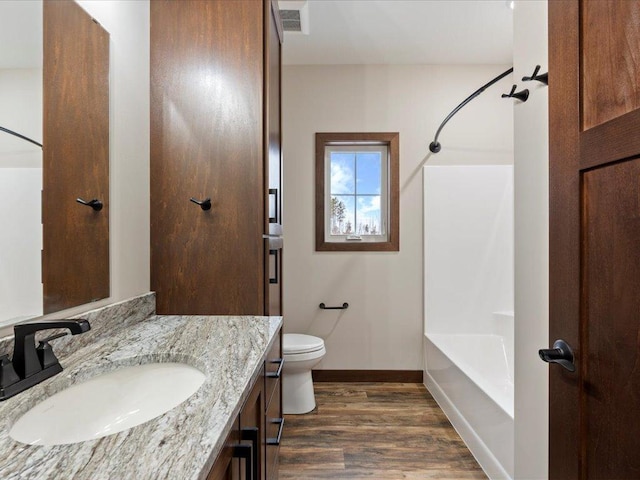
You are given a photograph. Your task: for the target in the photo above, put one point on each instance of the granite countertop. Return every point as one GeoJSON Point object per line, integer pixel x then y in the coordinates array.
{"type": "Point", "coordinates": [180, 444]}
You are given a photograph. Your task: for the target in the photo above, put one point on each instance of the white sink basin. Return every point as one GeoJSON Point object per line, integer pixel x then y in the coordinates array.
{"type": "Point", "coordinates": [108, 404]}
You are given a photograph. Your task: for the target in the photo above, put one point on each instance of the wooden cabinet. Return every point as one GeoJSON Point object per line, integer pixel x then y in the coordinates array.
{"type": "Point", "coordinates": [215, 139]}
{"type": "Point", "coordinates": [273, 60]}
{"type": "Point", "coordinates": [226, 467]}
{"type": "Point", "coordinates": [254, 440]}
{"type": "Point", "coordinates": [274, 422]}
{"type": "Point", "coordinates": [252, 431]}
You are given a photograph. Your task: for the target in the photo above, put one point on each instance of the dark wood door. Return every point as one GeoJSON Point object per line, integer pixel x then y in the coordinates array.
{"type": "Point", "coordinates": [594, 103]}
{"type": "Point", "coordinates": [75, 257]}
{"type": "Point", "coordinates": [207, 142]}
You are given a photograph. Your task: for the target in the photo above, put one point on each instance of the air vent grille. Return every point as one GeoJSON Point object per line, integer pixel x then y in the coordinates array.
{"type": "Point", "coordinates": [291, 20]}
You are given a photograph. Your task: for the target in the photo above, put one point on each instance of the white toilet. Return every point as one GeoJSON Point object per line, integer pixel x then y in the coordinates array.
{"type": "Point", "coordinates": [301, 353]}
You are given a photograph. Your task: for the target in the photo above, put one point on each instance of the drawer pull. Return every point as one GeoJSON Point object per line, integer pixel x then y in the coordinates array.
{"type": "Point", "coordinates": [276, 441]}
{"type": "Point", "coordinates": [278, 372]}
{"type": "Point", "coordinates": [244, 452]}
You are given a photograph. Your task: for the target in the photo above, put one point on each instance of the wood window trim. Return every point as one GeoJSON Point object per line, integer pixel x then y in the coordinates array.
{"type": "Point", "coordinates": [392, 140]}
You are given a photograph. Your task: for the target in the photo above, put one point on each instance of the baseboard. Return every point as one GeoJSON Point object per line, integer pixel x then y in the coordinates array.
{"type": "Point", "coordinates": [360, 376]}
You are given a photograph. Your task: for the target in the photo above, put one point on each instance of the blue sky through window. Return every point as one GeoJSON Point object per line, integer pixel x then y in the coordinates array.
{"type": "Point", "coordinates": [356, 186]}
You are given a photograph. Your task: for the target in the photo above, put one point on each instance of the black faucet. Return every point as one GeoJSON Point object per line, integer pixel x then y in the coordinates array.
{"type": "Point", "coordinates": [32, 365]}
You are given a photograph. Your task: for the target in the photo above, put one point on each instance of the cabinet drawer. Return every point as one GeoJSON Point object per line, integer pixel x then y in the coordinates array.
{"type": "Point", "coordinates": [275, 424]}
{"type": "Point", "coordinates": [273, 370]}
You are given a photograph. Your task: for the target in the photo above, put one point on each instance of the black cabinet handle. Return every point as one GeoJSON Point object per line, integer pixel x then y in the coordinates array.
{"type": "Point", "coordinates": [276, 441]}
{"type": "Point", "coordinates": [251, 433]}
{"type": "Point", "coordinates": [204, 204]}
{"type": "Point", "coordinates": [274, 219]}
{"type": "Point", "coordinates": [275, 279]}
{"type": "Point", "coordinates": [278, 372]}
{"type": "Point", "coordinates": [94, 203]}
{"type": "Point", "coordinates": [244, 452]}
{"type": "Point", "coordinates": [561, 354]}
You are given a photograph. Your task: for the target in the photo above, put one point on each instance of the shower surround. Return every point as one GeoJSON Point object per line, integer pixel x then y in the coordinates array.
{"type": "Point", "coordinates": [468, 344]}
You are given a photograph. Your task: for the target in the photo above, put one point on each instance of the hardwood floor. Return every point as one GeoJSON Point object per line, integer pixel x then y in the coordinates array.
{"type": "Point", "coordinates": [381, 431]}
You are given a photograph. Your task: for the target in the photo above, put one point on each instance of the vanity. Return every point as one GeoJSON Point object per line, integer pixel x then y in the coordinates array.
{"type": "Point", "coordinates": [229, 428]}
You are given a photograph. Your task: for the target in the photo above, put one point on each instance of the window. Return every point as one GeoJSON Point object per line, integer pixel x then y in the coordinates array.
{"type": "Point", "coordinates": [357, 192]}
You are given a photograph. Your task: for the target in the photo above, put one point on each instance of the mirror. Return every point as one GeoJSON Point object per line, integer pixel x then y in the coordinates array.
{"type": "Point", "coordinates": [20, 161]}
{"type": "Point", "coordinates": [54, 249]}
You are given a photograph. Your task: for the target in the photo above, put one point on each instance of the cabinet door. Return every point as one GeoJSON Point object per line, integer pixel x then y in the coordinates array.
{"type": "Point", "coordinates": [226, 466]}
{"type": "Point", "coordinates": [274, 421]}
{"type": "Point", "coordinates": [207, 83]}
{"type": "Point", "coordinates": [273, 134]}
{"type": "Point", "coordinates": [252, 430]}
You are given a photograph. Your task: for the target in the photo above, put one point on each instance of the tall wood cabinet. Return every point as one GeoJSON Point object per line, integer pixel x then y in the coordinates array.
{"type": "Point", "coordinates": [216, 157]}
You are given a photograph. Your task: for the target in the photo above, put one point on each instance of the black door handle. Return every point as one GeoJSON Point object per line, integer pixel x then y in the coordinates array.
{"type": "Point", "coordinates": [204, 204]}
{"type": "Point", "coordinates": [561, 353]}
{"type": "Point", "coordinates": [95, 203]}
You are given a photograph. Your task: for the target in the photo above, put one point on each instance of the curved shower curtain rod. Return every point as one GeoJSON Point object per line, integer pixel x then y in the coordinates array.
{"type": "Point", "coordinates": [435, 146]}
{"type": "Point", "coordinates": [11, 132]}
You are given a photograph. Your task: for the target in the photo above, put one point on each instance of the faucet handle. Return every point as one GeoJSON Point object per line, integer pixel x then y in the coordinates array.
{"type": "Point", "coordinates": [45, 352]}
{"type": "Point", "coordinates": [8, 375]}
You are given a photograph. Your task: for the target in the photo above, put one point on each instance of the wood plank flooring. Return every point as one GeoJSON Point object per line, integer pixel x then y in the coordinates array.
{"type": "Point", "coordinates": [381, 431]}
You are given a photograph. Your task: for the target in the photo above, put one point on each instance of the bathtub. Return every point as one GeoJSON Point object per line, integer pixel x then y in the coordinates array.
{"type": "Point", "coordinates": [471, 378]}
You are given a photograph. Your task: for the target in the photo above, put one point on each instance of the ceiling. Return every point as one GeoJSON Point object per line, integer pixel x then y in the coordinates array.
{"type": "Point", "coordinates": [403, 32]}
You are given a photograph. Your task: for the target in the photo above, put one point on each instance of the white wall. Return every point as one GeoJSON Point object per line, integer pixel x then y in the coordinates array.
{"type": "Point", "coordinates": [20, 199]}
{"type": "Point", "coordinates": [468, 247]}
{"type": "Point", "coordinates": [382, 329]}
{"type": "Point", "coordinates": [128, 25]}
{"type": "Point", "coordinates": [531, 171]}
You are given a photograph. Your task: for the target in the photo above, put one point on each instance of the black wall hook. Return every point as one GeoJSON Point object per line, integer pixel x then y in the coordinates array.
{"type": "Point", "coordinates": [344, 306]}
{"type": "Point", "coordinates": [522, 95]}
{"type": "Point", "coordinates": [543, 77]}
{"type": "Point", "coordinates": [95, 203]}
{"type": "Point", "coordinates": [204, 204]}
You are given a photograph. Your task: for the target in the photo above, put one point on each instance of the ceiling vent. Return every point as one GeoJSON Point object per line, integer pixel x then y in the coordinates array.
{"type": "Point", "coordinates": [295, 16]}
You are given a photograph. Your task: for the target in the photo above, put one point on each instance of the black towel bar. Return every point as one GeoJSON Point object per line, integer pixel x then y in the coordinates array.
{"type": "Point", "coordinates": [344, 306]}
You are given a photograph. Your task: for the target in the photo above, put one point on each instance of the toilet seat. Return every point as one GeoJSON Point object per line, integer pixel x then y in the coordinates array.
{"type": "Point", "coordinates": [297, 343]}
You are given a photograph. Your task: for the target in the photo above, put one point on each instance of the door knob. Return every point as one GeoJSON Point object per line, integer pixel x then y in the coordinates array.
{"type": "Point", "coordinates": [95, 203]}
{"type": "Point", "coordinates": [204, 204]}
{"type": "Point", "coordinates": [561, 353]}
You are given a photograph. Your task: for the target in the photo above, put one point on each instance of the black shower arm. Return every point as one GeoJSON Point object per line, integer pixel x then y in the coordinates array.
{"type": "Point", "coordinates": [11, 132]}
{"type": "Point", "coordinates": [435, 146]}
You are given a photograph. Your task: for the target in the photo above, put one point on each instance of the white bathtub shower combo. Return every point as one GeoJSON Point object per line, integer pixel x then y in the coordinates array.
{"type": "Point", "coordinates": [469, 306]}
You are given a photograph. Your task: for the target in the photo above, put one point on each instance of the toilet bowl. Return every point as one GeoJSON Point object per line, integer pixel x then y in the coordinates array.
{"type": "Point", "coordinates": [301, 353]}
